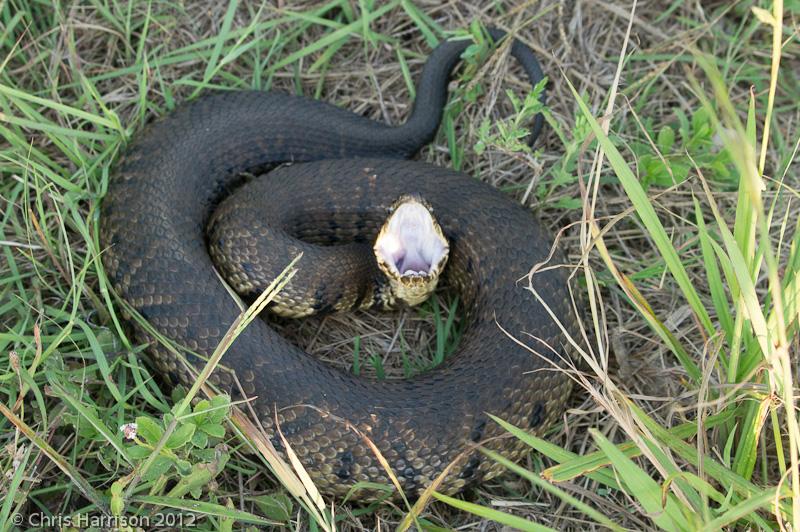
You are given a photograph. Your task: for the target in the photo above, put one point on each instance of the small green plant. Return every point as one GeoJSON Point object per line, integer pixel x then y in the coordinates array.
{"type": "Point", "coordinates": [564, 172]}
{"type": "Point", "coordinates": [512, 134]}
{"type": "Point", "coordinates": [472, 58]}
{"type": "Point", "coordinates": [377, 364]}
{"type": "Point", "coordinates": [508, 135]}
{"type": "Point", "coordinates": [691, 142]}
{"type": "Point", "coordinates": [176, 461]}
{"type": "Point", "coordinates": [191, 449]}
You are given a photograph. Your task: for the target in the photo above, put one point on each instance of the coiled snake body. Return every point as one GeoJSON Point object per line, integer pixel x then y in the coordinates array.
{"type": "Point", "coordinates": [152, 231]}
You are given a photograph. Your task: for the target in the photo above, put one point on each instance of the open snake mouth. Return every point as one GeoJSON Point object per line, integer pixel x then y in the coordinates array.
{"type": "Point", "coordinates": [411, 243]}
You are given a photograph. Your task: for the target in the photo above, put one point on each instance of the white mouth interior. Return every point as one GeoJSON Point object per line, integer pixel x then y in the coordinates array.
{"type": "Point", "coordinates": [410, 244]}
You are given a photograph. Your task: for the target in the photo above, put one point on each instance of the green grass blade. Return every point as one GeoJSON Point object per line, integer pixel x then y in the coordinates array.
{"type": "Point", "coordinates": [648, 216]}
{"type": "Point", "coordinates": [533, 478]}
{"type": "Point", "coordinates": [721, 474]}
{"type": "Point", "coordinates": [11, 490]}
{"type": "Point", "coordinates": [213, 61]}
{"type": "Point", "coordinates": [333, 37]}
{"type": "Point", "coordinates": [72, 472]}
{"type": "Point", "coordinates": [16, 94]}
{"type": "Point", "coordinates": [570, 469]}
{"type": "Point", "coordinates": [204, 508]}
{"type": "Point", "coordinates": [110, 436]}
{"type": "Point", "coordinates": [554, 452]}
{"type": "Point", "coordinates": [715, 283]}
{"type": "Point", "coordinates": [518, 523]}
{"type": "Point", "coordinates": [643, 488]}
{"type": "Point", "coordinates": [763, 501]}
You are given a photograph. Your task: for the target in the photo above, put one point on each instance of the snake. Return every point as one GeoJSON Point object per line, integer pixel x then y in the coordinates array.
{"type": "Point", "coordinates": [333, 178]}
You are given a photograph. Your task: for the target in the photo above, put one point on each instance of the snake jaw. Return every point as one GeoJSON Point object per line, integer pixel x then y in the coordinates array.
{"type": "Point", "coordinates": [411, 249]}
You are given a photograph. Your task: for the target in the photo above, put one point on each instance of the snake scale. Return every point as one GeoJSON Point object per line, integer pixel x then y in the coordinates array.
{"type": "Point", "coordinates": [347, 170]}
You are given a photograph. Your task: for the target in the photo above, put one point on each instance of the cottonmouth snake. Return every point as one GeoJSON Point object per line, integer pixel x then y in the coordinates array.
{"type": "Point", "coordinates": [160, 197]}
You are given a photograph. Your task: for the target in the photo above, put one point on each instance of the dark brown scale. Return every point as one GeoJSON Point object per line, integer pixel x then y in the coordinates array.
{"type": "Point", "coordinates": [153, 219]}
{"type": "Point", "coordinates": [270, 221]}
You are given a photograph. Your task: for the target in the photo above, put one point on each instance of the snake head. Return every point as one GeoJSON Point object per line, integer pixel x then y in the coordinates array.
{"type": "Point", "coordinates": [411, 249]}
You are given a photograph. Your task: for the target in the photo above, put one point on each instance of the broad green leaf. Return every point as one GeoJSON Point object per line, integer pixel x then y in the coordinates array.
{"type": "Point", "coordinates": [149, 429]}
{"type": "Point", "coordinates": [212, 429]}
{"type": "Point", "coordinates": [158, 467]}
{"type": "Point", "coordinates": [182, 435]}
{"type": "Point", "coordinates": [277, 506]}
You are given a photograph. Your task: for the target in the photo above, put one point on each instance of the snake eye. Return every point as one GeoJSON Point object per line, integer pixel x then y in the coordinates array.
{"type": "Point", "coordinates": [411, 249]}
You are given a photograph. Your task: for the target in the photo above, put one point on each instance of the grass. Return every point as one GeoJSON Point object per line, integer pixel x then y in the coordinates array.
{"type": "Point", "coordinates": [669, 170]}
